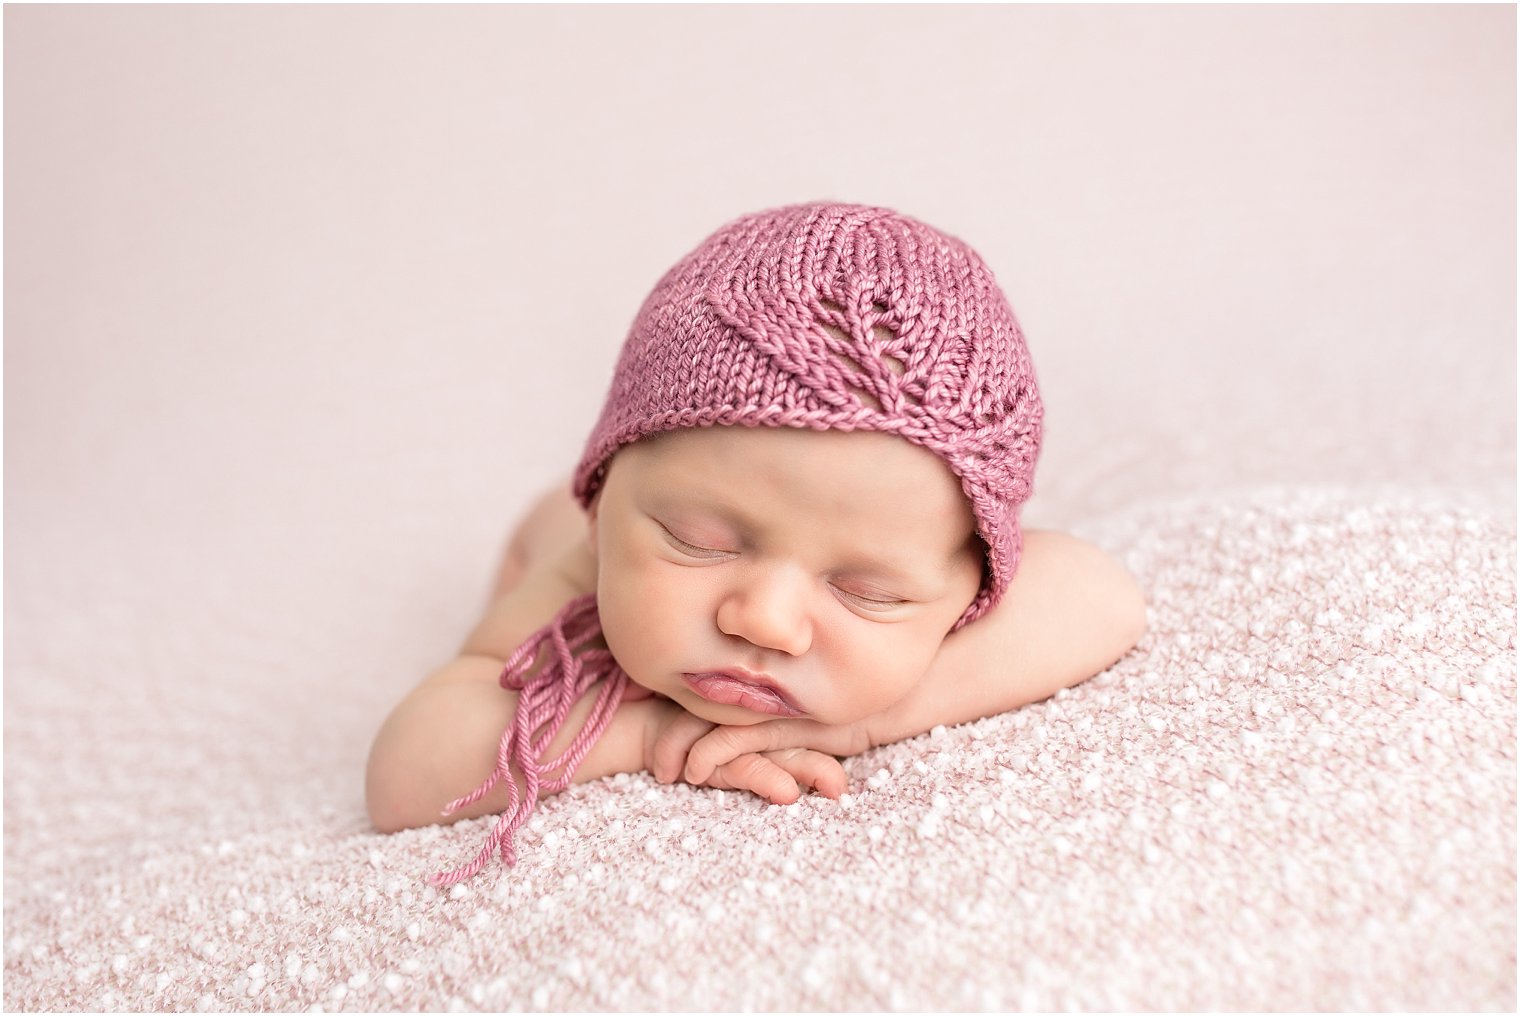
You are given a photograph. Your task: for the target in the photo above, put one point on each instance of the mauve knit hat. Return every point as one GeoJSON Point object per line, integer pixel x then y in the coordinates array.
{"type": "Point", "coordinates": [839, 317]}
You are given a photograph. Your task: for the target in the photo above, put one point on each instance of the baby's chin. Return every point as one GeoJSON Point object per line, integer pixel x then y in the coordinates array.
{"type": "Point", "coordinates": [736, 717]}
{"type": "Point", "coordinates": [633, 692]}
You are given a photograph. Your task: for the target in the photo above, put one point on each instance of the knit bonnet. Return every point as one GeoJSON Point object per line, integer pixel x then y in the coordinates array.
{"type": "Point", "coordinates": [839, 317]}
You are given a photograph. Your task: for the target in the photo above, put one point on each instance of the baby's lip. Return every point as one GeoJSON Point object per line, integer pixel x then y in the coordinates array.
{"type": "Point", "coordinates": [735, 686]}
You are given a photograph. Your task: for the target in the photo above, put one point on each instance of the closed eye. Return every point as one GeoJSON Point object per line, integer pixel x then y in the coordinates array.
{"type": "Point", "coordinates": [870, 602]}
{"type": "Point", "coordinates": [691, 549]}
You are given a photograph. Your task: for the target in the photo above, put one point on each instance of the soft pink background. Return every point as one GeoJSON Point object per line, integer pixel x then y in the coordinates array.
{"type": "Point", "coordinates": [303, 304]}
{"type": "Point", "coordinates": [319, 295]}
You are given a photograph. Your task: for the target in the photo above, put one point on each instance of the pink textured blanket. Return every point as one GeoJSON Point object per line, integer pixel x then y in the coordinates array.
{"type": "Point", "coordinates": [1297, 793]}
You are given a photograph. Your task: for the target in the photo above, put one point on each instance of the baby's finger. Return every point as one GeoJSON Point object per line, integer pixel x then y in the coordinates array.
{"type": "Point", "coordinates": [668, 754]}
{"type": "Point", "coordinates": [814, 769]}
{"type": "Point", "coordinates": [760, 775]}
{"type": "Point", "coordinates": [726, 744]}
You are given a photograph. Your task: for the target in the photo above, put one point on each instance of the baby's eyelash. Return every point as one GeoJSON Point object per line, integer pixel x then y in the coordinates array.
{"type": "Point", "coordinates": [692, 548]}
{"type": "Point", "coordinates": [872, 602]}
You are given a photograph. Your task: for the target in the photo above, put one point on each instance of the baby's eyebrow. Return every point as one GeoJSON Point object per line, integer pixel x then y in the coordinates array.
{"type": "Point", "coordinates": [674, 500]}
{"type": "Point", "coordinates": [899, 578]}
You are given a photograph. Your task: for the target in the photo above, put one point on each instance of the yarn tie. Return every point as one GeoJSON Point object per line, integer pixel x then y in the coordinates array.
{"type": "Point", "coordinates": [545, 697]}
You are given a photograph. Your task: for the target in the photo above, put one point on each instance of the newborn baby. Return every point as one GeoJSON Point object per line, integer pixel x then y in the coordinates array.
{"type": "Point", "coordinates": [794, 536]}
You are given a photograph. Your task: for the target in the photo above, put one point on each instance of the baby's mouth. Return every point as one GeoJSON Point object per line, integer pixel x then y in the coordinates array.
{"type": "Point", "coordinates": [755, 692]}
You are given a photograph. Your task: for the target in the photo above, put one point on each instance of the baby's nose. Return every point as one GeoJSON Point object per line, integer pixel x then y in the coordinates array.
{"type": "Point", "coordinates": [769, 611]}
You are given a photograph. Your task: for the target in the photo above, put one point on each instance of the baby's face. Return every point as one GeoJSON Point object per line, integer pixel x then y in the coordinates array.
{"type": "Point", "coordinates": [753, 573]}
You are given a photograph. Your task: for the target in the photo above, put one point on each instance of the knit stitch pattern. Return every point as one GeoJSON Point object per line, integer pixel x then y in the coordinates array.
{"type": "Point", "coordinates": [839, 317]}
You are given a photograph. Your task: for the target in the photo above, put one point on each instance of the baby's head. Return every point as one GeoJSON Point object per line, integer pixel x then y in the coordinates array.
{"type": "Point", "coordinates": [825, 416]}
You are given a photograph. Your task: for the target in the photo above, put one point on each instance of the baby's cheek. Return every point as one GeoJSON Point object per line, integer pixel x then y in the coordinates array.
{"type": "Point", "coordinates": [642, 620]}
{"type": "Point", "coordinates": [899, 664]}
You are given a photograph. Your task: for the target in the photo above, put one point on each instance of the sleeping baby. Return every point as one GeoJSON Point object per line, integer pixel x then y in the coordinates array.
{"type": "Point", "coordinates": [793, 536]}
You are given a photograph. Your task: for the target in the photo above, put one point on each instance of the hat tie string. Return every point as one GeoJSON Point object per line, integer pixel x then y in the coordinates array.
{"type": "Point", "coordinates": [569, 668]}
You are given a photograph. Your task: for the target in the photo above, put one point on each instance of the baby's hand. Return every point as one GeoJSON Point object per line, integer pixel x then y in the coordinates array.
{"type": "Point", "coordinates": [716, 749]}
{"type": "Point", "coordinates": [778, 774]}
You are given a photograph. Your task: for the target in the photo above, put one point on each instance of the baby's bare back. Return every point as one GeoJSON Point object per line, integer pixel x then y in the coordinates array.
{"type": "Point", "coordinates": [548, 529]}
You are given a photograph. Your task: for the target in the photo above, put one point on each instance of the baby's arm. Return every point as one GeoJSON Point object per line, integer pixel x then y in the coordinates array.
{"type": "Point", "coordinates": [441, 741]}
{"type": "Point", "coordinates": [1069, 612]}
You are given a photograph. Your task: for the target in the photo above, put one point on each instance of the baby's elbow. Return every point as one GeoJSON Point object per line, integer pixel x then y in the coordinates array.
{"type": "Point", "coordinates": [1128, 605]}
{"type": "Point", "coordinates": [381, 802]}
{"type": "Point", "coordinates": [390, 793]}
{"type": "Point", "coordinates": [1124, 609]}
{"type": "Point", "coordinates": [1114, 603]}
